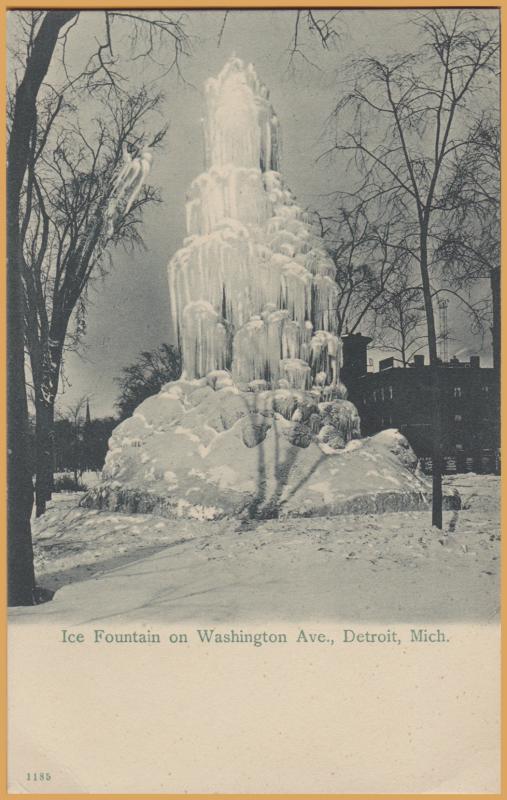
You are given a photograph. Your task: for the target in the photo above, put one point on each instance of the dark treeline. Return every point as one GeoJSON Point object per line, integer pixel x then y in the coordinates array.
{"type": "Point", "coordinates": [78, 448]}
{"type": "Point", "coordinates": [79, 442]}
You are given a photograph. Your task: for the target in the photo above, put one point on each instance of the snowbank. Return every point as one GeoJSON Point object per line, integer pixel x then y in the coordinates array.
{"type": "Point", "coordinates": [203, 452]}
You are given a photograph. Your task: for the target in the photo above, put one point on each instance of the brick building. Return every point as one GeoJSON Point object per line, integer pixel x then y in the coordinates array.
{"type": "Point", "coordinates": [399, 397]}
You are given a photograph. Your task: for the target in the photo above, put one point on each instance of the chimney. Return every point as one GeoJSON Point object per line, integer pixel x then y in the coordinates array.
{"type": "Point", "coordinates": [418, 361]}
{"type": "Point", "coordinates": [355, 362]}
{"type": "Point", "coordinates": [475, 362]}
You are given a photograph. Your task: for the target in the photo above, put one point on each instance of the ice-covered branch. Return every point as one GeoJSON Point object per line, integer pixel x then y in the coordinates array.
{"type": "Point", "coordinates": [127, 186]}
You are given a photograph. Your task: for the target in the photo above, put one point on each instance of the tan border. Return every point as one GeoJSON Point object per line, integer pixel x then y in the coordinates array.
{"type": "Point", "coordinates": [501, 5]}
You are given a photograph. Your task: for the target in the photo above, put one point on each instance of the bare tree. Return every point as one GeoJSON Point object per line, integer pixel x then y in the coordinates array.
{"type": "Point", "coordinates": [76, 416]}
{"type": "Point", "coordinates": [321, 27]}
{"type": "Point", "coordinates": [46, 36]}
{"type": "Point", "coordinates": [68, 231]}
{"type": "Point", "coordinates": [400, 322]}
{"type": "Point", "coordinates": [370, 259]}
{"type": "Point", "coordinates": [21, 579]}
{"type": "Point", "coordinates": [469, 243]}
{"type": "Point", "coordinates": [410, 115]}
{"type": "Point", "coordinates": [310, 27]}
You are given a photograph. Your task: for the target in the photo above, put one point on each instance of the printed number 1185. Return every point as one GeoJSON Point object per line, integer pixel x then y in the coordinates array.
{"type": "Point", "coordinates": [38, 776]}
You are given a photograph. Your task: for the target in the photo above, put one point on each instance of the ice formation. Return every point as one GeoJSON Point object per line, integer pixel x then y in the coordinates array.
{"type": "Point", "coordinates": [259, 423]}
{"type": "Point", "coordinates": [252, 290]}
{"type": "Point", "coordinates": [127, 186]}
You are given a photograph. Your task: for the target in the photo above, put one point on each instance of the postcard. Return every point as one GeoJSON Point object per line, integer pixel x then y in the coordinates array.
{"type": "Point", "coordinates": [253, 338]}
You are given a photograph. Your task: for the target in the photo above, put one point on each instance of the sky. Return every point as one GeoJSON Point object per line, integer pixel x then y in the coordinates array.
{"type": "Point", "coordinates": [128, 311]}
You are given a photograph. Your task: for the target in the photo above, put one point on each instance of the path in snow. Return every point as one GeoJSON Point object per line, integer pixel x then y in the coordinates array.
{"type": "Point", "coordinates": [389, 568]}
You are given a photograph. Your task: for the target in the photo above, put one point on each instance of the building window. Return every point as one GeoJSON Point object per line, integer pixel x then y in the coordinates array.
{"type": "Point", "coordinates": [390, 390]}
{"type": "Point", "coordinates": [364, 401]}
{"type": "Point", "coordinates": [382, 394]}
{"type": "Point", "coordinates": [458, 418]}
{"type": "Point", "coordinates": [457, 391]}
{"type": "Point", "coordinates": [374, 397]}
{"type": "Point", "coordinates": [485, 389]}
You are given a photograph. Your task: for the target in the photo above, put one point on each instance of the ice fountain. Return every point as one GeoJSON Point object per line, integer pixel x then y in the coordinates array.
{"type": "Point", "coordinates": [258, 424]}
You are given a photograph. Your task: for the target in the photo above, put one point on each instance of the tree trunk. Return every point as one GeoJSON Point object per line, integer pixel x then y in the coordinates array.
{"type": "Point", "coordinates": [46, 387]}
{"type": "Point", "coordinates": [436, 454]}
{"type": "Point", "coordinates": [404, 359]}
{"type": "Point", "coordinates": [21, 579]}
{"type": "Point", "coordinates": [44, 441]}
{"type": "Point", "coordinates": [436, 416]}
{"type": "Point", "coordinates": [495, 328]}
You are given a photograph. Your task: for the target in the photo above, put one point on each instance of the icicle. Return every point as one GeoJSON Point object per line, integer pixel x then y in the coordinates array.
{"type": "Point", "coordinates": [291, 339]}
{"type": "Point", "coordinates": [250, 352]}
{"type": "Point", "coordinates": [296, 283]}
{"type": "Point", "coordinates": [127, 186]}
{"type": "Point", "coordinates": [319, 263]}
{"type": "Point", "coordinates": [347, 420]}
{"type": "Point", "coordinates": [296, 372]}
{"type": "Point", "coordinates": [204, 340]}
{"type": "Point", "coordinates": [325, 303]}
{"type": "Point", "coordinates": [325, 357]}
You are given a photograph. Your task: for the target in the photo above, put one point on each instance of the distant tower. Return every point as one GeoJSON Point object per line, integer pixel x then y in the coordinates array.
{"type": "Point", "coordinates": [444, 330]}
{"type": "Point", "coordinates": [88, 419]}
{"type": "Point", "coordinates": [355, 360]}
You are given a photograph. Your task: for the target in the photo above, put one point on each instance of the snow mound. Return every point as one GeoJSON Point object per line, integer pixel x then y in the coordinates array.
{"type": "Point", "coordinates": [204, 450]}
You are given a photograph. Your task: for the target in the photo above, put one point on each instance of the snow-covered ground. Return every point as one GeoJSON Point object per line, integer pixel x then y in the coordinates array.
{"type": "Point", "coordinates": [392, 567]}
